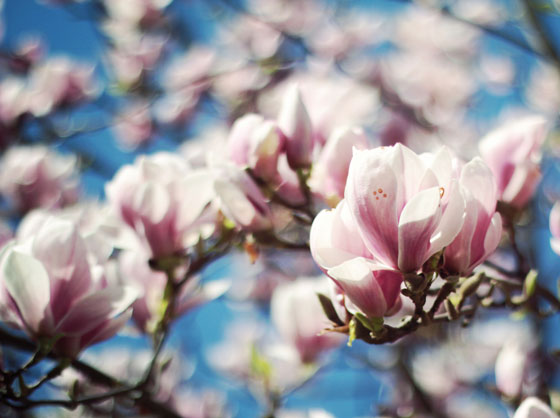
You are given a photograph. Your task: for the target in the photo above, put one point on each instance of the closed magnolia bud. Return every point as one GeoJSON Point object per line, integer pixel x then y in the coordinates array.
{"type": "Point", "coordinates": [295, 124]}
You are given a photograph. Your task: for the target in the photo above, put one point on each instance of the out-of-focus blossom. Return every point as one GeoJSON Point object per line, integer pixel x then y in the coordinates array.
{"type": "Point", "coordinates": [513, 153]}
{"type": "Point", "coordinates": [14, 100]}
{"type": "Point", "coordinates": [200, 403]}
{"type": "Point", "coordinates": [29, 51]}
{"type": "Point", "coordinates": [190, 70]}
{"type": "Point", "coordinates": [60, 81]}
{"type": "Point", "coordinates": [534, 408]}
{"type": "Point", "coordinates": [136, 12]}
{"type": "Point", "coordinates": [35, 176]}
{"type": "Point", "coordinates": [330, 170]}
{"type": "Point", "coordinates": [249, 36]}
{"type": "Point", "coordinates": [298, 316]}
{"type": "Point", "coordinates": [484, 12]}
{"type": "Point", "coordinates": [512, 368]}
{"type": "Point", "coordinates": [543, 89]}
{"type": "Point", "coordinates": [162, 199]}
{"type": "Point", "coordinates": [50, 289]}
{"type": "Point", "coordinates": [132, 58]}
{"type": "Point", "coordinates": [405, 210]}
{"type": "Point", "coordinates": [421, 29]}
{"type": "Point", "coordinates": [176, 108]}
{"type": "Point", "coordinates": [482, 227]}
{"type": "Point", "coordinates": [244, 351]}
{"type": "Point", "coordinates": [240, 198]}
{"type": "Point", "coordinates": [133, 127]}
{"type": "Point", "coordinates": [295, 126]}
{"type": "Point", "coordinates": [423, 81]}
{"type": "Point", "coordinates": [331, 101]}
{"type": "Point", "coordinates": [337, 248]}
{"type": "Point", "coordinates": [555, 227]}
{"type": "Point", "coordinates": [134, 271]}
{"type": "Point", "coordinates": [256, 143]}
{"type": "Point", "coordinates": [497, 72]}
{"type": "Point", "coordinates": [312, 413]}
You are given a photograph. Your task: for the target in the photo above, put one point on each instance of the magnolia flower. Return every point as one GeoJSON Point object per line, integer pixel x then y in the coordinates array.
{"type": "Point", "coordinates": [365, 286]}
{"type": "Point", "coordinates": [405, 209]}
{"type": "Point", "coordinates": [133, 127]}
{"type": "Point", "coordinates": [34, 176]}
{"type": "Point", "coordinates": [240, 199]}
{"type": "Point", "coordinates": [513, 154]}
{"type": "Point", "coordinates": [295, 125]}
{"type": "Point", "coordinates": [49, 288]}
{"type": "Point", "coordinates": [534, 408]}
{"type": "Point", "coordinates": [256, 143]}
{"type": "Point", "coordinates": [555, 228]}
{"type": "Point", "coordinates": [162, 200]}
{"type": "Point", "coordinates": [60, 81]}
{"type": "Point", "coordinates": [330, 170]}
{"type": "Point", "coordinates": [135, 271]}
{"type": "Point", "coordinates": [482, 227]}
{"type": "Point", "coordinates": [298, 316]}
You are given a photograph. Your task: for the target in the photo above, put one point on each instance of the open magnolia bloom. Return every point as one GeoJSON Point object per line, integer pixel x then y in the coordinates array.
{"type": "Point", "coordinates": [51, 289]}
{"type": "Point", "coordinates": [162, 199]}
{"type": "Point", "coordinates": [405, 208]}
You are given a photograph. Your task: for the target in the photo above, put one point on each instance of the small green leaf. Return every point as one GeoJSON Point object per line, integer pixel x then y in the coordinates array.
{"type": "Point", "coordinates": [352, 331]}
{"type": "Point", "coordinates": [329, 310]}
{"type": "Point", "coordinates": [530, 283]}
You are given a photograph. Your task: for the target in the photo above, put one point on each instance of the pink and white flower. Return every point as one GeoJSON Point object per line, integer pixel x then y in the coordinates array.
{"type": "Point", "coordinates": [513, 153]}
{"type": "Point", "coordinates": [298, 316]}
{"type": "Point", "coordinates": [405, 209]}
{"type": "Point", "coordinates": [34, 176]}
{"type": "Point", "coordinates": [482, 227]}
{"type": "Point", "coordinates": [555, 228]}
{"type": "Point", "coordinates": [49, 288]}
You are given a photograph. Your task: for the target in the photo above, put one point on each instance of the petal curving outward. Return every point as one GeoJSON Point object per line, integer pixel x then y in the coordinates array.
{"type": "Point", "coordinates": [28, 284]}
{"type": "Point", "coordinates": [358, 283]}
{"type": "Point", "coordinates": [95, 308]}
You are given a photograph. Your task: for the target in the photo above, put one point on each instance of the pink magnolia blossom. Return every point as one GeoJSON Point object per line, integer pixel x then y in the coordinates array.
{"type": "Point", "coordinates": [135, 271]}
{"type": "Point", "coordinates": [34, 176]}
{"type": "Point", "coordinates": [134, 126]}
{"type": "Point", "coordinates": [533, 407]}
{"type": "Point", "coordinates": [482, 227]}
{"type": "Point", "coordinates": [240, 199]}
{"type": "Point", "coordinates": [405, 209]}
{"type": "Point", "coordinates": [256, 143]}
{"type": "Point", "coordinates": [59, 81]}
{"type": "Point", "coordinates": [555, 227]}
{"type": "Point", "coordinates": [364, 285]}
{"type": "Point", "coordinates": [49, 288]}
{"type": "Point", "coordinates": [298, 316]}
{"type": "Point", "coordinates": [513, 154]}
{"type": "Point", "coordinates": [295, 125]}
{"type": "Point", "coordinates": [162, 199]}
{"type": "Point", "coordinates": [330, 170]}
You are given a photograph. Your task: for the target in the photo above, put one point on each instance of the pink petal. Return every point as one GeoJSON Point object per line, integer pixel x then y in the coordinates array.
{"type": "Point", "coordinates": [358, 282]}
{"type": "Point", "coordinates": [28, 284]}
{"type": "Point", "coordinates": [417, 223]}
